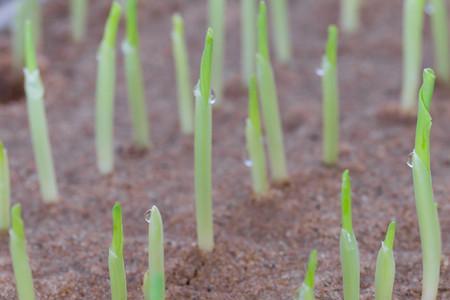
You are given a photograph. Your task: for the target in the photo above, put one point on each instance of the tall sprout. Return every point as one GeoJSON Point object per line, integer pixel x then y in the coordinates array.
{"type": "Point", "coordinates": [18, 252]}
{"type": "Point", "coordinates": [412, 51]}
{"type": "Point", "coordinates": [154, 279]}
{"type": "Point", "coordinates": [269, 100]}
{"type": "Point", "coordinates": [255, 145]}
{"type": "Point", "coordinates": [439, 26]}
{"type": "Point", "coordinates": [248, 40]}
{"type": "Point", "coordinates": [202, 145]}
{"type": "Point", "coordinates": [17, 35]}
{"type": "Point", "coordinates": [385, 269]}
{"type": "Point", "coordinates": [427, 211]}
{"type": "Point", "coordinates": [350, 15]}
{"type": "Point", "coordinates": [135, 84]}
{"type": "Point", "coordinates": [34, 90]}
{"type": "Point", "coordinates": [330, 91]}
{"type": "Point", "coordinates": [306, 291]}
{"type": "Point", "coordinates": [182, 70]}
{"type": "Point", "coordinates": [117, 274]}
{"type": "Point", "coordinates": [78, 10]}
{"type": "Point", "coordinates": [281, 35]}
{"type": "Point", "coordinates": [5, 186]}
{"type": "Point", "coordinates": [106, 82]}
{"type": "Point", "coordinates": [217, 11]}
{"type": "Point", "coordinates": [349, 251]}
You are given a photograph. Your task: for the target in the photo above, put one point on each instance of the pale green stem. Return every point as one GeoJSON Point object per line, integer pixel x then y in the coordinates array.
{"type": "Point", "coordinates": [306, 291]}
{"type": "Point", "coordinates": [182, 70]}
{"type": "Point", "coordinates": [5, 186]}
{"type": "Point", "coordinates": [248, 38]}
{"type": "Point", "coordinates": [413, 16]}
{"type": "Point", "coordinates": [385, 268]}
{"type": "Point", "coordinates": [217, 12]}
{"type": "Point", "coordinates": [155, 282]}
{"type": "Point", "coordinates": [78, 20]}
{"type": "Point", "coordinates": [439, 26]}
{"type": "Point", "coordinates": [117, 274]}
{"type": "Point", "coordinates": [350, 15]}
{"type": "Point", "coordinates": [19, 256]}
{"type": "Point", "coordinates": [18, 28]}
{"type": "Point", "coordinates": [282, 39]}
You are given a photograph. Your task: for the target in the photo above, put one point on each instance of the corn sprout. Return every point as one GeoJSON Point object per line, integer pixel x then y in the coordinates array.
{"type": "Point", "coordinates": [78, 9]}
{"type": "Point", "coordinates": [350, 11]}
{"type": "Point", "coordinates": [426, 207]}
{"type": "Point", "coordinates": [348, 245]}
{"type": "Point", "coordinates": [306, 291]}
{"type": "Point", "coordinates": [4, 189]}
{"type": "Point", "coordinates": [182, 70]}
{"type": "Point", "coordinates": [439, 26]}
{"type": "Point", "coordinates": [106, 77]}
{"type": "Point", "coordinates": [38, 121]}
{"type": "Point", "coordinates": [248, 40]}
{"type": "Point", "coordinates": [117, 274]}
{"type": "Point", "coordinates": [385, 270]}
{"type": "Point", "coordinates": [18, 252]}
{"type": "Point", "coordinates": [217, 11]}
{"type": "Point", "coordinates": [282, 39]}
{"type": "Point", "coordinates": [133, 72]}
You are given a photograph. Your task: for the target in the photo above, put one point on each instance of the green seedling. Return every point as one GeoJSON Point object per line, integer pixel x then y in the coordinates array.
{"type": "Point", "coordinates": [439, 26]}
{"type": "Point", "coordinates": [18, 252]}
{"type": "Point", "coordinates": [117, 274]}
{"type": "Point", "coordinates": [17, 36]}
{"type": "Point", "coordinates": [412, 51]}
{"type": "Point", "coordinates": [282, 39]}
{"type": "Point", "coordinates": [385, 270]}
{"type": "Point", "coordinates": [78, 10]}
{"type": "Point", "coordinates": [348, 245]}
{"type": "Point", "coordinates": [306, 291]}
{"type": "Point", "coordinates": [255, 146]}
{"type": "Point", "coordinates": [5, 186]}
{"type": "Point", "coordinates": [350, 19]}
{"type": "Point", "coordinates": [248, 40]}
{"type": "Point", "coordinates": [217, 11]}
{"type": "Point", "coordinates": [203, 143]}
{"type": "Point", "coordinates": [182, 70]}
{"type": "Point", "coordinates": [34, 90]}
{"type": "Point", "coordinates": [133, 73]}
{"type": "Point", "coordinates": [269, 100]}
{"type": "Point", "coordinates": [106, 83]}
{"type": "Point", "coordinates": [154, 278]}
{"type": "Point", "coordinates": [426, 207]}
{"type": "Point", "coordinates": [330, 92]}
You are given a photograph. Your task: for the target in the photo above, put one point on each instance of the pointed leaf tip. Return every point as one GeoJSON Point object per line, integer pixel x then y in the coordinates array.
{"type": "Point", "coordinates": [390, 235]}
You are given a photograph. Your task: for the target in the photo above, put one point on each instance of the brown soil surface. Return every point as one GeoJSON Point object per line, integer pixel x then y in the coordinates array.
{"type": "Point", "coordinates": [261, 247]}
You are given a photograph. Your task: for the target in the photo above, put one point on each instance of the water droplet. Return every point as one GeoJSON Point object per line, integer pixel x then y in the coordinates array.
{"type": "Point", "coordinates": [197, 93]}
{"type": "Point", "coordinates": [248, 163]}
{"type": "Point", "coordinates": [429, 9]}
{"type": "Point", "coordinates": [410, 158]}
{"type": "Point", "coordinates": [148, 215]}
{"type": "Point", "coordinates": [197, 89]}
{"type": "Point", "coordinates": [320, 72]}
{"type": "Point", "coordinates": [212, 98]}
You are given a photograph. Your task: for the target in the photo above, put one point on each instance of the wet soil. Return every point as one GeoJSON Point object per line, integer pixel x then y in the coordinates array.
{"type": "Point", "coordinates": [261, 247]}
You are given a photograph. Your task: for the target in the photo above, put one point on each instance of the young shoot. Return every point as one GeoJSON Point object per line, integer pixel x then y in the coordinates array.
{"type": "Point", "coordinates": [350, 11]}
{"type": "Point", "coordinates": [18, 252]}
{"type": "Point", "coordinates": [135, 84]}
{"type": "Point", "coordinates": [349, 251]}
{"type": "Point", "coordinates": [182, 70]}
{"type": "Point", "coordinates": [248, 40]}
{"type": "Point", "coordinates": [117, 274]}
{"type": "Point", "coordinates": [306, 291]}
{"type": "Point", "coordinates": [426, 207]}
{"type": "Point", "coordinates": [269, 100]}
{"type": "Point", "coordinates": [106, 82]}
{"type": "Point", "coordinates": [202, 151]}
{"type": "Point", "coordinates": [154, 279]}
{"type": "Point", "coordinates": [385, 269]}
{"type": "Point", "coordinates": [78, 10]}
{"type": "Point", "coordinates": [282, 39]}
{"type": "Point", "coordinates": [17, 36]}
{"type": "Point", "coordinates": [34, 90]}
{"type": "Point", "coordinates": [439, 26]}
{"type": "Point", "coordinates": [217, 11]}
{"type": "Point", "coordinates": [413, 16]}
{"type": "Point", "coordinates": [5, 186]}
{"type": "Point", "coordinates": [330, 92]}
{"type": "Point", "coordinates": [255, 146]}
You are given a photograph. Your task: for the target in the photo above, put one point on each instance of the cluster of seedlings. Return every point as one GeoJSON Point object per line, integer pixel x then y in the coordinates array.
{"type": "Point", "coordinates": [258, 75]}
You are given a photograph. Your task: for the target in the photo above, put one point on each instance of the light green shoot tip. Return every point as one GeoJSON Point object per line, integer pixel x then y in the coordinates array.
{"type": "Point", "coordinates": [178, 23]}
{"type": "Point", "coordinates": [206, 66]}
{"type": "Point", "coordinates": [117, 239]}
{"type": "Point", "coordinates": [132, 23]}
{"type": "Point", "coordinates": [263, 44]}
{"type": "Point", "coordinates": [312, 266]}
{"type": "Point", "coordinates": [390, 235]}
{"type": "Point", "coordinates": [427, 89]}
{"type": "Point", "coordinates": [331, 52]}
{"type": "Point", "coordinates": [112, 24]}
{"type": "Point", "coordinates": [346, 198]}
{"type": "Point", "coordinates": [17, 222]}
{"type": "Point", "coordinates": [30, 52]}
